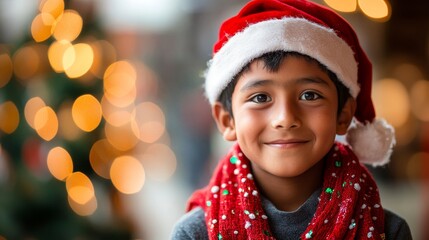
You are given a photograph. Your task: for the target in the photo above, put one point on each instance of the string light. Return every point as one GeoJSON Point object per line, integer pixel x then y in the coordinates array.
{"type": "Point", "coordinates": [132, 126]}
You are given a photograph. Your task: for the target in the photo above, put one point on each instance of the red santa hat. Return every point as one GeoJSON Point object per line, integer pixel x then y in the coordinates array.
{"type": "Point", "coordinates": [305, 27]}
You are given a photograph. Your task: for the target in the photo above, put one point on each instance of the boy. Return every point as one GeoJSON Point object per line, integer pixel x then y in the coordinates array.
{"type": "Point", "coordinates": [286, 77]}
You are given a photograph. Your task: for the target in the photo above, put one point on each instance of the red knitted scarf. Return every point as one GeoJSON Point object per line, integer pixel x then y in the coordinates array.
{"type": "Point", "coordinates": [349, 206]}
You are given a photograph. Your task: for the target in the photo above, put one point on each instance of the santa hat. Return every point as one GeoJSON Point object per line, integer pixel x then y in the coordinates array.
{"type": "Point", "coordinates": [301, 26]}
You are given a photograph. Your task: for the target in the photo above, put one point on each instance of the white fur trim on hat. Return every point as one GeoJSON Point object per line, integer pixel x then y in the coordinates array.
{"type": "Point", "coordinates": [287, 34]}
{"type": "Point", "coordinates": [372, 142]}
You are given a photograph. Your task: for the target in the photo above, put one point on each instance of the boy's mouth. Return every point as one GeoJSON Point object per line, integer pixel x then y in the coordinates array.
{"type": "Point", "coordinates": [286, 143]}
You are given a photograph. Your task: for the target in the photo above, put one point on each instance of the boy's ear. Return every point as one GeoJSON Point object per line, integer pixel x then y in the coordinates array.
{"type": "Point", "coordinates": [346, 115]}
{"type": "Point", "coordinates": [224, 122]}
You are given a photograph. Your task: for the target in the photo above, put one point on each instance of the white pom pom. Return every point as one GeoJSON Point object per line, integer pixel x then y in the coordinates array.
{"type": "Point", "coordinates": [373, 142]}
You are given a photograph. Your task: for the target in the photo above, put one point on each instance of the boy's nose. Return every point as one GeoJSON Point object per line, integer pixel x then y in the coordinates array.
{"type": "Point", "coordinates": [285, 116]}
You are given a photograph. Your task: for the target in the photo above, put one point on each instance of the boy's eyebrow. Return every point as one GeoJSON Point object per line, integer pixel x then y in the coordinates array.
{"type": "Point", "coordinates": [313, 80]}
{"type": "Point", "coordinates": [256, 83]}
{"type": "Point", "coordinates": [266, 82]}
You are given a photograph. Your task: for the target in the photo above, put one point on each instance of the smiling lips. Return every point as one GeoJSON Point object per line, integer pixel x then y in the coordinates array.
{"type": "Point", "coordinates": [287, 143]}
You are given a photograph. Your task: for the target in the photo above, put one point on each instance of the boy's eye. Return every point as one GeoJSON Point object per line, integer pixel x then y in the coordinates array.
{"type": "Point", "coordinates": [309, 96]}
{"type": "Point", "coordinates": [260, 98]}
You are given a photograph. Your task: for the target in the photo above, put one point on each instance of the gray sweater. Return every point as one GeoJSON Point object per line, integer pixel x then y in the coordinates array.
{"type": "Point", "coordinates": [284, 225]}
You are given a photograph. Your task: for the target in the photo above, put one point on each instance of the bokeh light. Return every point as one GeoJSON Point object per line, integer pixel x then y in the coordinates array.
{"type": "Point", "coordinates": [85, 209]}
{"type": "Point", "coordinates": [80, 188]}
{"type": "Point", "coordinates": [127, 174]}
{"type": "Point", "coordinates": [119, 83]}
{"type": "Point", "coordinates": [147, 83]}
{"type": "Point", "coordinates": [148, 122]}
{"type": "Point", "coordinates": [56, 54]}
{"type": "Point", "coordinates": [26, 62]}
{"type": "Point", "coordinates": [406, 133]}
{"type": "Point", "coordinates": [104, 56]}
{"type": "Point", "coordinates": [407, 72]}
{"type": "Point", "coordinates": [60, 163]}
{"type": "Point", "coordinates": [376, 9]}
{"type": "Point", "coordinates": [120, 78]}
{"type": "Point", "coordinates": [68, 26]}
{"type": "Point", "coordinates": [101, 157]}
{"type": "Point", "coordinates": [31, 108]}
{"type": "Point", "coordinates": [342, 5]}
{"type": "Point", "coordinates": [67, 129]}
{"type": "Point", "coordinates": [391, 101]}
{"type": "Point", "coordinates": [86, 112]}
{"type": "Point", "coordinates": [420, 99]}
{"type": "Point", "coordinates": [46, 123]}
{"type": "Point", "coordinates": [415, 165]}
{"type": "Point", "coordinates": [41, 27]}
{"type": "Point", "coordinates": [52, 7]}
{"type": "Point", "coordinates": [6, 69]}
{"type": "Point", "coordinates": [9, 115]}
{"type": "Point", "coordinates": [159, 161]}
{"type": "Point", "coordinates": [121, 137]}
{"type": "Point", "coordinates": [116, 116]}
{"type": "Point", "coordinates": [122, 101]}
{"type": "Point", "coordinates": [77, 60]}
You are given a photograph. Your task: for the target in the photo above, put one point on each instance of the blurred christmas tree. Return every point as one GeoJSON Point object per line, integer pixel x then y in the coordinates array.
{"type": "Point", "coordinates": [73, 122]}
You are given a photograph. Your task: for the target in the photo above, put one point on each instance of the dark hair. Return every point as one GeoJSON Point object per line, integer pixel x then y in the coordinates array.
{"type": "Point", "coordinates": [272, 61]}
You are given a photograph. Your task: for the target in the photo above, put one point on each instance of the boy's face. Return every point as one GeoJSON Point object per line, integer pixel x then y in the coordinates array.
{"type": "Point", "coordinates": [285, 121]}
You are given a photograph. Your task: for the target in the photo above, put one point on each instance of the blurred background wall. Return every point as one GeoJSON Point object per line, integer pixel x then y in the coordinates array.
{"type": "Point", "coordinates": [104, 129]}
